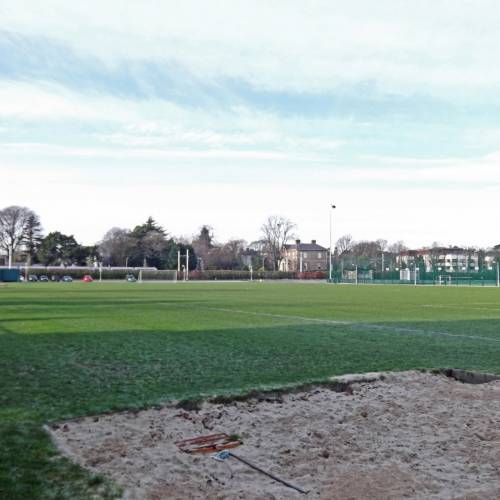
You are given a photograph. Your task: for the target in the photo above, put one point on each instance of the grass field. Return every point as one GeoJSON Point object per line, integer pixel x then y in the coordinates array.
{"type": "Point", "coordinates": [68, 350]}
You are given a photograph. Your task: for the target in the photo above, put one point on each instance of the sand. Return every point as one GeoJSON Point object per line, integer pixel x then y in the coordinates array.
{"type": "Point", "coordinates": [410, 435]}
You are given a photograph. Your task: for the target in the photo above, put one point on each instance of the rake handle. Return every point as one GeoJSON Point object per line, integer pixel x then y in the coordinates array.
{"type": "Point", "coordinates": [272, 476]}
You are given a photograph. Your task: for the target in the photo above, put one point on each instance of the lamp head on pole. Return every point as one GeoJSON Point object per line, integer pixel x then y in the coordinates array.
{"type": "Point", "coordinates": [333, 206]}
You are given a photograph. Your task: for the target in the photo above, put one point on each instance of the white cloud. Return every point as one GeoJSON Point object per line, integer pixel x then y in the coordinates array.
{"type": "Point", "coordinates": [115, 128]}
{"type": "Point", "coordinates": [38, 100]}
{"type": "Point", "coordinates": [26, 101]}
{"type": "Point", "coordinates": [140, 154]}
{"type": "Point", "coordinates": [108, 161]}
{"type": "Point", "coordinates": [286, 45]}
{"type": "Point", "coordinates": [419, 205]}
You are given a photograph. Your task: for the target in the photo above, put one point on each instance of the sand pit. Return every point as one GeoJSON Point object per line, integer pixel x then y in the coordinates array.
{"type": "Point", "coordinates": [410, 435]}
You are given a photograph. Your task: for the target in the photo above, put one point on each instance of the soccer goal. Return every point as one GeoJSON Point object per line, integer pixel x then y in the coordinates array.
{"type": "Point", "coordinates": [443, 279]}
{"type": "Point", "coordinates": [152, 276]}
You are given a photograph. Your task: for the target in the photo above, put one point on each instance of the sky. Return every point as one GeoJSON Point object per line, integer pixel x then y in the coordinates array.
{"type": "Point", "coordinates": [226, 112]}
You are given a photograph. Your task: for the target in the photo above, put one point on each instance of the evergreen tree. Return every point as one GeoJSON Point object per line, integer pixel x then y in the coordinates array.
{"type": "Point", "coordinates": [57, 248]}
{"type": "Point", "coordinates": [151, 243]}
{"type": "Point", "coordinates": [32, 238]}
{"type": "Point", "coordinates": [203, 245]}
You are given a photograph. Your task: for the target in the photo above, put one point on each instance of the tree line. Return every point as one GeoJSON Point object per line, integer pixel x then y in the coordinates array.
{"type": "Point", "coordinates": [145, 245]}
{"type": "Point", "coordinates": [150, 245]}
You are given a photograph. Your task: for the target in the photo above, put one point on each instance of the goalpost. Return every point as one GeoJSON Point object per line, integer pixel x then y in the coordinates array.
{"type": "Point", "coordinates": [443, 279]}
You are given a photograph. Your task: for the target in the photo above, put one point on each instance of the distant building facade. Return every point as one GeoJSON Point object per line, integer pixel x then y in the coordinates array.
{"type": "Point", "coordinates": [304, 257]}
{"type": "Point", "coordinates": [447, 259]}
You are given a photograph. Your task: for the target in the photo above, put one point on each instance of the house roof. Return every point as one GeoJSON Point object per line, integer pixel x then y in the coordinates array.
{"type": "Point", "coordinates": [306, 247]}
{"type": "Point", "coordinates": [249, 252]}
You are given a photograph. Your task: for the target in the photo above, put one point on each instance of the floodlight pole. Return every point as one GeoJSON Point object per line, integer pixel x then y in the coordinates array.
{"type": "Point", "coordinates": [332, 207]}
{"type": "Point", "coordinates": [187, 264]}
{"type": "Point", "coordinates": [178, 265]}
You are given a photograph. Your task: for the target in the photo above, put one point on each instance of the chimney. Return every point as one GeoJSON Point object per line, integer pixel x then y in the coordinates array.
{"type": "Point", "coordinates": [297, 242]}
{"type": "Point", "coordinates": [313, 242]}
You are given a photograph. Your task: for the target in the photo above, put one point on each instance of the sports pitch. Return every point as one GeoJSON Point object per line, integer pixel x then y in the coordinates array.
{"type": "Point", "coordinates": [68, 350]}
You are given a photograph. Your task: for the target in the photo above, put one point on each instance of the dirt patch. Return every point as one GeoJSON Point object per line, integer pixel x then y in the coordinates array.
{"type": "Point", "coordinates": [412, 435]}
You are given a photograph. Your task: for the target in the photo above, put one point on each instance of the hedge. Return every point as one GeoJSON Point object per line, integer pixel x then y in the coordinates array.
{"type": "Point", "coordinates": [257, 275]}
{"type": "Point", "coordinates": [196, 275]}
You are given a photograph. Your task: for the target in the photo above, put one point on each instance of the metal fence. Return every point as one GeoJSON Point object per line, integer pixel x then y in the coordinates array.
{"type": "Point", "coordinates": [440, 278]}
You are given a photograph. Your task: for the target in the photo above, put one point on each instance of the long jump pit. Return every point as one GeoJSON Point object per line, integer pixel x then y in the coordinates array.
{"type": "Point", "coordinates": [372, 436]}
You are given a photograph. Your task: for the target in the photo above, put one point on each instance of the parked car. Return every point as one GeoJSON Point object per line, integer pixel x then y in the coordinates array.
{"type": "Point", "coordinates": [32, 277]}
{"type": "Point", "coordinates": [67, 279]}
{"type": "Point", "coordinates": [55, 277]}
{"type": "Point", "coordinates": [87, 278]}
{"type": "Point", "coordinates": [130, 278]}
{"type": "Point", "coordinates": [44, 278]}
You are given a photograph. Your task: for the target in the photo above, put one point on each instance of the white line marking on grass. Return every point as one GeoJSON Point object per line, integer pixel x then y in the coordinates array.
{"type": "Point", "coordinates": [279, 316]}
{"type": "Point", "coordinates": [350, 323]}
{"type": "Point", "coordinates": [461, 306]}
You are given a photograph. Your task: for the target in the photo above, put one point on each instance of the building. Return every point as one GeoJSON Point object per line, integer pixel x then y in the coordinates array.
{"type": "Point", "coordinates": [446, 259]}
{"type": "Point", "coordinates": [304, 257]}
{"type": "Point", "coordinates": [249, 256]}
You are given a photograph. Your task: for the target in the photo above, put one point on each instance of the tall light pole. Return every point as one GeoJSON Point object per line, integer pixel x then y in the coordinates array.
{"type": "Point", "coordinates": [332, 207]}
{"type": "Point", "coordinates": [277, 256]}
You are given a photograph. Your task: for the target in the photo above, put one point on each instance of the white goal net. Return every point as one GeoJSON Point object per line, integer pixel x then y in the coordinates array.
{"type": "Point", "coordinates": [151, 276]}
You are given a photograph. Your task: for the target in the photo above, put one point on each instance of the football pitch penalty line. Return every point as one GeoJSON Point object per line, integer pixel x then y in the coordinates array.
{"type": "Point", "coordinates": [461, 307]}
{"type": "Point", "coordinates": [397, 329]}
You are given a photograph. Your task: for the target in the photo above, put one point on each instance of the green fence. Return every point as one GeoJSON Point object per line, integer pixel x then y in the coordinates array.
{"type": "Point", "coordinates": [484, 278]}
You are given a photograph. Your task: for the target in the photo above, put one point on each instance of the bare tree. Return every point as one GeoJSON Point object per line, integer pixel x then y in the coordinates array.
{"type": "Point", "coordinates": [13, 223]}
{"type": "Point", "coordinates": [366, 248]}
{"type": "Point", "coordinates": [382, 244]}
{"type": "Point", "coordinates": [344, 244]}
{"type": "Point", "coordinates": [227, 255]}
{"type": "Point", "coordinates": [397, 247]}
{"type": "Point", "coordinates": [277, 231]}
{"type": "Point", "coordinates": [117, 246]}
{"type": "Point", "coordinates": [154, 244]}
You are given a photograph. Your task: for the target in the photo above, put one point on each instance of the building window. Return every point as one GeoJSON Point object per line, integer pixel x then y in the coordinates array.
{"type": "Point", "coordinates": [320, 255]}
